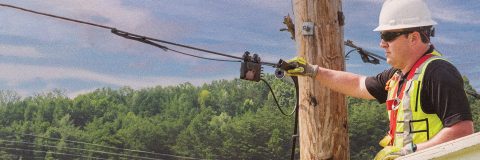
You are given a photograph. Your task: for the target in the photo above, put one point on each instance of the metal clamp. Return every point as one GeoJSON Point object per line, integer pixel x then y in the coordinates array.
{"type": "Point", "coordinates": [307, 28]}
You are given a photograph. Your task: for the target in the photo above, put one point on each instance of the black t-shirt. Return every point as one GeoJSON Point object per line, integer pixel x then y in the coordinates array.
{"type": "Point", "coordinates": [442, 91]}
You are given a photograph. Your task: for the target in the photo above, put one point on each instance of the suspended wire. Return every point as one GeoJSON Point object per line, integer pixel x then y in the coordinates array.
{"type": "Point", "coordinates": [473, 94]}
{"type": "Point", "coordinates": [346, 55]}
{"type": "Point", "coordinates": [79, 149]}
{"type": "Point", "coordinates": [55, 16]}
{"type": "Point", "coordinates": [135, 36]}
{"type": "Point", "coordinates": [361, 51]}
{"type": "Point", "coordinates": [41, 151]}
{"type": "Point", "coordinates": [172, 43]}
{"type": "Point", "coordinates": [276, 101]}
{"type": "Point", "coordinates": [213, 59]}
{"type": "Point", "coordinates": [109, 147]}
{"type": "Point", "coordinates": [78, 142]}
{"type": "Point", "coordinates": [145, 40]}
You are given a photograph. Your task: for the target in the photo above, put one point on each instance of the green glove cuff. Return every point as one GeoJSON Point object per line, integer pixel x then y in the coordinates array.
{"type": "Point", "coordinates": [303, 68]}
{"type": "Point", "coordinates": [311, 70]}
{"type": "Point", "coordinates": [388, 152]}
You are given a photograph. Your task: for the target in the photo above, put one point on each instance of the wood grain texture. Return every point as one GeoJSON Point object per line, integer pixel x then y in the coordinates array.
{"type": "Point", "coordinates": [323, 113]}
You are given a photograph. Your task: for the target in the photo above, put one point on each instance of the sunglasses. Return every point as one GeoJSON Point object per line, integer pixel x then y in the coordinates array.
{"type": "Point", "coordinates": [390, 36]}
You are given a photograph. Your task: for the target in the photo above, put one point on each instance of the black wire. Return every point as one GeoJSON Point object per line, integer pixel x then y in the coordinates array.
{"type": "Point", "coordinates": [346, 55]}
{"type": "Point", "coordinates": [109, 147]}
{"type": "Point", "coordinates": [274, 98]}
{"type": "Point", "coordinates": [145, 40]}
{"type": "Point", "coordinates": [473, 94]}
{"type": "Point", "coordinates": [41, 151]}
{"type": "Point", "coordinates": [193, 48]}
{"type": "Point", "coordinates": [79, 149]}
{"type": "Point", "coordinates": [213, 59]}
{"type": "Point", "coordinates": [131, 34]}
{"type": "Point", "coordinates": [350, 44]}
{"type": "Point", "coordinates": [295, 110]}
{"type": "Point", "coordinates": [55, 16]}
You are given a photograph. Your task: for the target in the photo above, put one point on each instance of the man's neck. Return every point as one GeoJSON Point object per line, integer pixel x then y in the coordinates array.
{"type": "Point", "coordinates": [418, 53]}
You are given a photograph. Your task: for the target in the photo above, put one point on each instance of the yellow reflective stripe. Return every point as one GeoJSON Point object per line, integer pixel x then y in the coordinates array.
{"type": "Point", "coordinates": [436, 53]}
{"type": "Point", "coordinates": [415, 100]}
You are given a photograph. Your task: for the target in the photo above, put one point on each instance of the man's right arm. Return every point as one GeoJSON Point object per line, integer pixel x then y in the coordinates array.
{"type": "Point", "coordinates": [344, 82]}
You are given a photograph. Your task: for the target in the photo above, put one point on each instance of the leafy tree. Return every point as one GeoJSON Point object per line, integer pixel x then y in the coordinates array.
{"type": "Point", "coordinates": [474, 103]}
{"type": "Point", "coordinates": [368, 123]}
{"type": "Point", "coordinates": [195, 140]}
{"type": "Point", "coordinates": [226, 119]}
{"type": "Point", "coordinates": [250, 135]}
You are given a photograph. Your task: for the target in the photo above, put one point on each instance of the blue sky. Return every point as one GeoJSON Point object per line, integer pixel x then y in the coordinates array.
{"type": "Point", "coordinates": [39, 54]}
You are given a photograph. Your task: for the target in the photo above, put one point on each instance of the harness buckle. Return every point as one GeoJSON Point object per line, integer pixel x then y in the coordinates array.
{"type": "Point", "coordinates": [393, 104]}
{"type": "Point", "coordinates": [396, 104]}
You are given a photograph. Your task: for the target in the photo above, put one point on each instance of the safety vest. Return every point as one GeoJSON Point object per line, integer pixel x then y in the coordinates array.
{"type": "Point", "coordinates": [408, 122]}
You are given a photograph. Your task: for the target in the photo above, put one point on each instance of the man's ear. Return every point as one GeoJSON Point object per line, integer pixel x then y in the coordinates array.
{"type": "Point", "coordinates": [414, 38]}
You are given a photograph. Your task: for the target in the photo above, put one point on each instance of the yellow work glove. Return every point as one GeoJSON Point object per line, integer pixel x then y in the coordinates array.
{"type": "Point", "coordinates": [388, 153]}
{"type": "Point", "coordinates": [302, 68]}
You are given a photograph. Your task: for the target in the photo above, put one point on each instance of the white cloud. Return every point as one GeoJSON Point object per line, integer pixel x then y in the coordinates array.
{"type": "Point", "coordinates": [445, 11]}
{"type": "Point", "coordinates": [19, 51]}
{"type": "Point", "coordinates": [277, 6]}
{"type": "Point", "coordinates": [74, 94]}
{"type": "Point", "coordinates": [14, 74]}
{"type": "Point", "coordinates": [444, 40]}
{"type": "Point", "coordinates": [106, 12]}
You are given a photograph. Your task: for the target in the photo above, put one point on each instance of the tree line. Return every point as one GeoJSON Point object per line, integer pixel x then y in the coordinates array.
{"type": "Point", "coordinates": [226, 119]}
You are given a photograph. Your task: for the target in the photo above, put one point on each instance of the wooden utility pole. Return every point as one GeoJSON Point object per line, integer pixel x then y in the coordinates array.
{"type": "Point", "coordinates": [323, 113]}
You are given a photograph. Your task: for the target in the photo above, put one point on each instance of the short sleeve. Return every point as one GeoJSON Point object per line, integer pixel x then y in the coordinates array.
{"type": "Point", "coordinates": [376, 84]}
{"type": "Point", "coordinates": [443, 93]}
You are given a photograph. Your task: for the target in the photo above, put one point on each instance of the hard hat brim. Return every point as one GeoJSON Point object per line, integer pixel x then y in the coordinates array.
{"type": "Point", "coordinates": [394, 27]}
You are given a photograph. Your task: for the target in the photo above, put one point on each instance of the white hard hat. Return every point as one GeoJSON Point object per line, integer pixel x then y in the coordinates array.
{"type": "Point", "coordinates": [399, 14]}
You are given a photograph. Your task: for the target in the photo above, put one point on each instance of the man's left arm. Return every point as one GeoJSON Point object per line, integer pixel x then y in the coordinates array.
{"type": "Point", "coordinates": [459, 129]}
{"type": "Point", "coordinates": [446, 97]}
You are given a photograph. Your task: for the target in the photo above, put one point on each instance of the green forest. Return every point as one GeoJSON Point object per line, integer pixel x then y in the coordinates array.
{"type": "Point", "coordinates": [226, 119]}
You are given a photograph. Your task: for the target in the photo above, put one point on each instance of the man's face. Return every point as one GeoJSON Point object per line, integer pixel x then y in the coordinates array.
{"type": "Point", "coordinates": [395, 43]}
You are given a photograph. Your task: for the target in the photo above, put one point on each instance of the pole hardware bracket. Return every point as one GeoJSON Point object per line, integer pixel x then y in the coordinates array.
{"type": "Point", "coordinates": [308, 28]}
{"type": "Point", "coordinates": [341, 18]}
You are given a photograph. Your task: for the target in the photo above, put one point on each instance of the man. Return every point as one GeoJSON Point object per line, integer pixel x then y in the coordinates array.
{"type": "Point", "coordinates": [423, 92]}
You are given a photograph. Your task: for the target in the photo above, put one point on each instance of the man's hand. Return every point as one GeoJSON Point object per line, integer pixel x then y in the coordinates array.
{"type": "Point", "coordinates": [391, 152]}
{"type": "Point", "coordinates": [302, 68]}
{"type": "Point", "coordinates": [388, 153]}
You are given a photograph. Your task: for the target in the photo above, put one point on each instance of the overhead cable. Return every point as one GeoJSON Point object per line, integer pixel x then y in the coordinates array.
{"type": "Point", "coordinates": [46, 152]}
{"type": "Point", "coordinates": [472, 93]}
{"type": "Point", "coordinates": [367, 57]}
{"type": "Point", "coordinates": [79, 149]}
{"type": "Point", "coordinates": [103, 146]}
{"type": "Point", "coordinates": [132, 36]}
{"type": "Point", "coordinates": [147, 41]}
